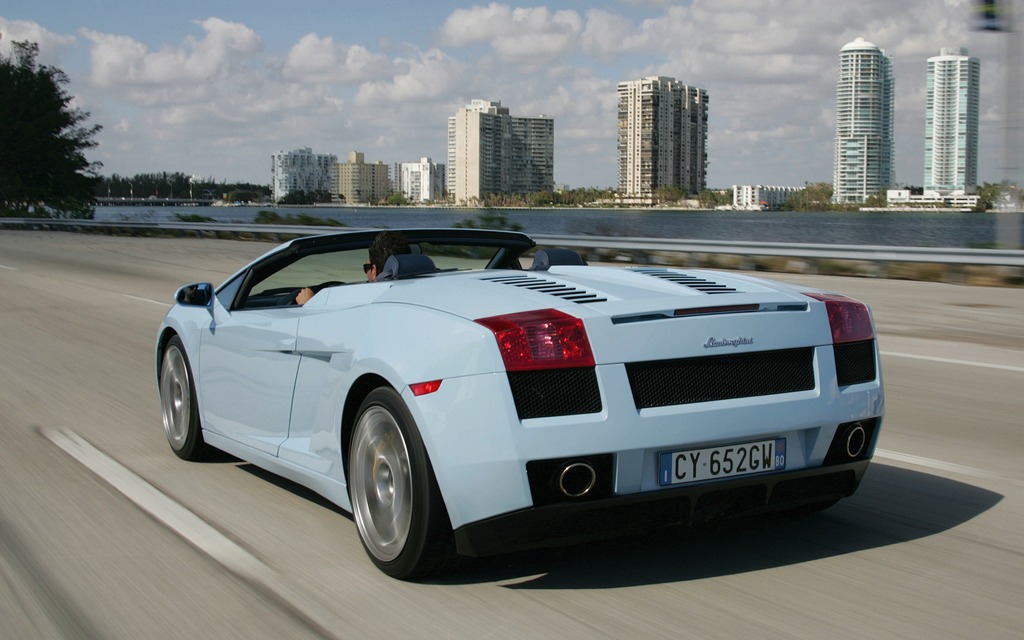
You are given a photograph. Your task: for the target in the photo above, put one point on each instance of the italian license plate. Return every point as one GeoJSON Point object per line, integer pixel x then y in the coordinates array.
{"type": "Point", "coordinates": [680, 467]}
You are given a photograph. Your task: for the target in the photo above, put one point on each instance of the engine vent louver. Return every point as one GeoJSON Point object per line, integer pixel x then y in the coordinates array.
{"type": "Point", "coordinates": [549, 287]}
{"type": "Point", "coordinates": [693, 282]}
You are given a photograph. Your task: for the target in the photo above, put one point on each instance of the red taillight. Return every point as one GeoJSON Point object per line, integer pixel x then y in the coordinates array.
{"type": "Point", "coordinates": [545, 339]}
{"type": "Point", "coordinates": [850, 320]}
{"type": "Point", "coordinates": [423, 388]}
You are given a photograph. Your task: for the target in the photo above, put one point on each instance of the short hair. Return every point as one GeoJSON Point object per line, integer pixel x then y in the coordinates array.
{"type": "Point", "coordinates": [385, 245]}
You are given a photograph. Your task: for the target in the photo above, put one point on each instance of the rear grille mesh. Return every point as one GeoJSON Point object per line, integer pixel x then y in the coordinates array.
{"type": "Point", "coordinates": [855, 362]}
{"type": "Point", "coordinates": [555, 392]}
{"type": "Point", "coordinates": [661, 383]}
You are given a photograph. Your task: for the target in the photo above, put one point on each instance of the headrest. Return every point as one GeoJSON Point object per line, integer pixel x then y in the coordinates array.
{"type": "Point", "coordinates": [406, 265]}
{"type": "Point", "coordinates": [547, 258]}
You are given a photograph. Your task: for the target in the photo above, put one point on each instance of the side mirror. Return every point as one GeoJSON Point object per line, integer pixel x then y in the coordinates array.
{"type": "Point", "coordinates": [195, 295]}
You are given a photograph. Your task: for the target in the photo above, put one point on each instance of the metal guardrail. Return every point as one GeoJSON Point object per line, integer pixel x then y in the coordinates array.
{"type": "Point", "coordinates": [868, 253]}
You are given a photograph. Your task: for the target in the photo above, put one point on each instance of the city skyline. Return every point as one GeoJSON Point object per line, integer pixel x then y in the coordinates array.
{"type": "Point", "coordinates": [214, 90]}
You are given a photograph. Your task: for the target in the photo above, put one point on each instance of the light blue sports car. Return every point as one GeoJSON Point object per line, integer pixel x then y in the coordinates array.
{"type": "Point", "coordinates": [484, 395]}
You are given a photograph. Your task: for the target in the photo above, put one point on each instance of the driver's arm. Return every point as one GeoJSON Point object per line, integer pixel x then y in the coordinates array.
{"type": "Point", "coordinates": [304, 295]}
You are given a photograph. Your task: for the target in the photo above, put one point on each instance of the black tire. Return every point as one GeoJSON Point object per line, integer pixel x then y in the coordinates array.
{"type": "Point", "coordinates": [396, 504]}
{"type": "Point", "coordinates": [178, 404]}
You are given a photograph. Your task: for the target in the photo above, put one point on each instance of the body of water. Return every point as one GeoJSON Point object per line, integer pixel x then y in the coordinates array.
{"type": "Point", "coordinates": [922, 229]}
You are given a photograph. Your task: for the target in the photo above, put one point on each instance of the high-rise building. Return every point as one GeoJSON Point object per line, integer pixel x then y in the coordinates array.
{"type": "Point", "coordinates": [864, 162]}
{"type": "Point", "coordinates": [491, 152]}
{"type": "Point", "coordinates": [421, 181]}
{"type": "Point", "coordinates": [302, 170]}
{"type": "Point", "coordinates": [361, 182]}
{"type": "Point", "coordinates": [663, 133]}
{"type": "Point", "coordinates": [951, 123]}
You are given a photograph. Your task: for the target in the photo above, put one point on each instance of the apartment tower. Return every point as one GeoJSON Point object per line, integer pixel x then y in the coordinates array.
{"type": "Point", "coordinates": [951, 123]}
{"type": "Point", "coordinates": [491, 152]}
{"type": "Point", "coordinates": [663, 133]}
{"type": "Point", "coordinates": [421, 181]}
{"type": "Point", "coordinates": [361, 182]}
{"type": "Point", "coordinates": [864, 162]}
{"type": "Point", "coordinates": [302, 170]}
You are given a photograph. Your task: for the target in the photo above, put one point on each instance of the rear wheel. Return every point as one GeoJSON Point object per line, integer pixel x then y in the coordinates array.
{"type": "Point", "coordinates": [396, 504]}
{"type": "Point", "coordinates": [178, 404]}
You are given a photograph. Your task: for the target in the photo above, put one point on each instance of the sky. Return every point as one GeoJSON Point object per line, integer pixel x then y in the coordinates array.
{"type": "Point", "coordinates": [213, 88]}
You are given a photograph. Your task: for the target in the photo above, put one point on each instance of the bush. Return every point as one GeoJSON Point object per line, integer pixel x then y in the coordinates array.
{"type": "Point", "coordinates": [301, 219]}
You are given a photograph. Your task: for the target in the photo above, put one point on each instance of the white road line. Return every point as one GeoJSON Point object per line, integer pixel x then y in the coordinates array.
{"type": "Point", "coordinates": [131, 297]}
{"type": "Point", "coordinates": [947, 467]}
{"type": "Point", "coordinates": [193, 529]}
{"type": "Point", "coordinates": [969, 363]}
{"type": "Point", "coordinates": [930, 463]}
{"type": "Point", "coordinates": [152, 501]}
{"type": "Point", "coordinates": [4, 266]}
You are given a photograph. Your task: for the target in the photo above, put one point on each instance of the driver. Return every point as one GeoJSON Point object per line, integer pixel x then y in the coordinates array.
{"type": "Point", "coordinates": [385, 244]}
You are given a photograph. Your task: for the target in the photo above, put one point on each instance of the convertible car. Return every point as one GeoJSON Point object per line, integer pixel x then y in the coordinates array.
{"type": "Point", "coordinates": [484, 395]}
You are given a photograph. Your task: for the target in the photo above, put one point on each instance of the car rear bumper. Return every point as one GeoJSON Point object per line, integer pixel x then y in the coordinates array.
{"type": "Point", "coordinates": [573, 522]}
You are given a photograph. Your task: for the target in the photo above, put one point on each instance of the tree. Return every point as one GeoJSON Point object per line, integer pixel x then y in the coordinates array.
{"type": "Point", "coordinates": [298, 196]}
{"type": "Point", "coordinates": [669, 194]}
{"type": "Point", "coordinates": [815, 196]}
{"type": "Point", "coordinates": [877, 199]}
{"type": "Point", "coordinates": [988, 196]}
{"type": "Point", "coordinates": [711, 198]}
{"type": "Point", "coordinates": [43, 169]}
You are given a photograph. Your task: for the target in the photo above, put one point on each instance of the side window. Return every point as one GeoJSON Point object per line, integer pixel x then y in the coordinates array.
{"type": "Point", "coordinates": [314, 271]}
{"type": "Point", "coordinates": [226, 294]}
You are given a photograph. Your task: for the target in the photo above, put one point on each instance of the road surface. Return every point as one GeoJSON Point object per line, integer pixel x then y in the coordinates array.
{"type": "Point", "coordinates": [104, 533]}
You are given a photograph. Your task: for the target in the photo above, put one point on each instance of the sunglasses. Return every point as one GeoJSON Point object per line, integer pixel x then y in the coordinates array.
{"type": "Point", "coordinates": [367, 267]}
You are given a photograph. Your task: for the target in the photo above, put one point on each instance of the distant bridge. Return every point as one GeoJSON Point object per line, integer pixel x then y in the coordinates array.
{"type": "Point", "coordinates": [154, 202]}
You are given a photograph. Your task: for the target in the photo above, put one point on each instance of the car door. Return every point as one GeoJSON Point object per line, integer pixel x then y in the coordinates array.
{"type": "Point", "coordinates": [247, 364]}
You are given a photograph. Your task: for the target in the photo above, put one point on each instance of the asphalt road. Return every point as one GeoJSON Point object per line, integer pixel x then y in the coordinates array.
{"type": "Point", "coordinates": [104, 533]}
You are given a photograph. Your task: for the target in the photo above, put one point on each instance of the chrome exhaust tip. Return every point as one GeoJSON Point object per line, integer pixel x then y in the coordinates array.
{"type": "Point", "coordinates": [577, 479]}
{"type": "Point", "coordinates": [856, 440]}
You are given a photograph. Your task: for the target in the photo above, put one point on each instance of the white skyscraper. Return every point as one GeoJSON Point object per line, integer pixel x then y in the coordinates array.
{"type": "Point", "coordinates": [864, 161]}
{"type": "Point", "coordinates": [951, 123]}
{"type": "Point", "coordinates": [662, 139]}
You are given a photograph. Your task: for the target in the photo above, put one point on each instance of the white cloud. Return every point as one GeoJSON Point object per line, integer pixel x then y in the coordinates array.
{"type": "Point", "coordinates": [429, 76]}
{"type": "Point", "coordinates": [609, 34]}
{"type": "Point", "coordinates": [316, 59]}
{"type": "Point", "coordinates": [530, 35]}
{"type": "Point", "coordinates": [123, 61]}
{"type": "Point", "coordinates": [51, 45]}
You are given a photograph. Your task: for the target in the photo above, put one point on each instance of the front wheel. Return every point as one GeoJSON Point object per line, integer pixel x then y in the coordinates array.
{"type": "Point", "coordinates": [396, 504]}
{"type": "Point", "coordinates": [178, 404]}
